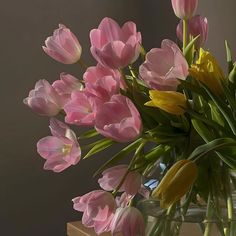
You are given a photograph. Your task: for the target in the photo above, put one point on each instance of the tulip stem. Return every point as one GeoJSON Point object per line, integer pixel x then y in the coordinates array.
{"type": "Point", "coordinates": [185, 33]}
{"type": "Point", "coordinates": [82, 64]}
{"type": "Point", "coordinates": [137, 153]}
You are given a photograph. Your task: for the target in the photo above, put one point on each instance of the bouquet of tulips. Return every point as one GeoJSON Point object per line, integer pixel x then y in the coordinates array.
{"type": "Point", "coordinates": [173, 109]}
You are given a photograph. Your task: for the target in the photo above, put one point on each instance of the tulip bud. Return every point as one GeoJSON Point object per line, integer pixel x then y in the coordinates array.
{"type": "Point", "coordinates": [176, 182]}
{"type": "Point", "coordinates": [169, 101]}
{"type": "Point", "coordinates": [184, 9]}
{"type": "Point", "coordinates": [207, 70]}
{"type": "Point", "coordinates": [198, 25]}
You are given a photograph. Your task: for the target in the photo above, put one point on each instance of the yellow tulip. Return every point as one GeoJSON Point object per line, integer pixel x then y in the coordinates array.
{"type": "Point", "coordinates": [169, 101]}
{"type": "Point", "coordinates": [207, 70]}
{"type": "Point", "coordinates": [175, 184]}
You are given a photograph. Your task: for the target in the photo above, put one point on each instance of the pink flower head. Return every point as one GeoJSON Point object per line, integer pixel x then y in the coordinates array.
{"type": "Point", "coordinates": [184, 9]}
{"type": "Point", "coordinates": [97, 72]}
{"type": "Point", "coordinates": [164, 66]}
{"type": "Point", "coordinates": [98, 209]}
{"type": "Point", "coordinates": [118, 119]}
{"type": "Point", "coordinates": [66, 85]}
{"type": "Point", "coordinates": [197, 25]}
{"type": "Point", "coordinates": [63, 46]}
{"type": "Point", "coordinates": [60, 150]}
{"type": "Point", "coordinates": [128, 221]}
{"type": "Point", "coordinates": [113, 46]}
{"type": "Point", "coordinates": [112, 177]}
{"type": "Point", "coordinates": [44, 99]}
{"type": "Point", "coordinates": [124, 199]}
{"type": "Point", "coordinates": [81, 109]}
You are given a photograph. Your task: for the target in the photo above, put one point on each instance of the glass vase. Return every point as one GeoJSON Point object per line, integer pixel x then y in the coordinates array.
{"type": "Point", "coordinates": [193, 222]}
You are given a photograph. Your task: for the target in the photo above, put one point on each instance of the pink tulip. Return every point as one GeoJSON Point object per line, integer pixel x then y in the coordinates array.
{"type": "Point", "coordinates": [63, 46]}
{"type": "Point", "coordinates": [198, 25]}
{"type": "Point", "coordinates": [98, 209]}
{"type": "Point", "coordinates": [66, 85]}
{"type": "Point", "coordinates": [128, 221]}
{"type": "Point", "coordinates": [60, 150]}
{"type": "Point", "coordinates": [164, 66]}
{"type": "Point", "coordinates": [118, 119]}
{"type": "Point", "coordinates": [44, 99]}
{"type": "Point", "coordinates": [184, 9]}
{"type": "Point", "coordinates": [124, 199]}
{"type": "Point", "coordinates": [113, 46]}
{"type": "Point", "coordinates": [94, 73]}
{"type": "Point", "coordinates": [81, 109]}
{"type": "Point", "coordinates": [112, 177]}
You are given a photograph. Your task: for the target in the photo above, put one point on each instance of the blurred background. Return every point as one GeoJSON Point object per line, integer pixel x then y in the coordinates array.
{"type": "Point", "coordinates": [35, 202]}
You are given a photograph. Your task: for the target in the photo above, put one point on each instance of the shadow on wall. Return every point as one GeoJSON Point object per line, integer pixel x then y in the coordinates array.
{"type": "Point", "coordinates": [37, 202]}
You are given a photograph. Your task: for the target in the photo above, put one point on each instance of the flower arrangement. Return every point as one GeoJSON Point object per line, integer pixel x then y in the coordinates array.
{"type": "Point", "coordinates": [173, 109]}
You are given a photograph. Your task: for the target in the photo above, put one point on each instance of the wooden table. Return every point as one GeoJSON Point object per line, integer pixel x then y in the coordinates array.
{"type": "Point", "coordinates": [77, 229]}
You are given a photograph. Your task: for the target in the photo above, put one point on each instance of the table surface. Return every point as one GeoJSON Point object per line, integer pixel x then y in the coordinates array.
{"type": "Point", "coordinates": [77, 229]}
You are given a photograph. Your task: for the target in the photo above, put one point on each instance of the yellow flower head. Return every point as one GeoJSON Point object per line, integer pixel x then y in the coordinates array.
{"type": "Point", "coordinates": [169, 101]}
{"type": "Point", "coordinates": [177, 181]}
{"type": "Point", "coordinates": [207, 70]}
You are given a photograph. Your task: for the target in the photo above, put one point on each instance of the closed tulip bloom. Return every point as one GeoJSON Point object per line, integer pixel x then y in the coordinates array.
{"type": "Point", "coordinates": [128, 221]}
{"type": "Point", "coordinates": [114, 46]}
{"type": "Point", "coordinates": [118, 119]}
{"type": "Point", "coordinates": [66, 85]}
{"type": "Point", "coordinates": [112, 177]}
{"type": "Point", "coordinates": [63, 46]}
{"type": "Point", "coordinates": [61, 150]}
{"type": "Point", "coordinates": [197, 25]}
{"type": "Point", "coordinates": [169, 101]}
{"type": "Point", "coordinates": [164, 66]}
{"type": "Point", "coordinates": [184, 9]}
{"type": "Point", "coordinates": [207, 70]}
{"type": "Point", "coordinates": [98, 209]}
{"type": "Point", "coordinates": [176, 182]}
{"type": "Point", "coordinates": [81, 109]}
{"type": "Point", "coordinates": [43, 99]}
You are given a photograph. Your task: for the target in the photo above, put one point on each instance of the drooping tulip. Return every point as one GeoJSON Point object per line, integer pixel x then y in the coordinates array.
{"type": "Point", "coordinates": [63, 46]}
{"type": "Point", "coordinates": [98, 209]}
{"type": "Point", "coordinates": [184, 9]}
{"type": "Point", "coordinates": [114, 46]}
{"type": "Point", "coordinates": [128, 221]}
{"type": "Point", "coordinates": [197, 25]}
{"type": "Point", "coordinates": [164, 66]}
{"type": "Point", "coordinates": [169, 101]}
{"type": "Point", "coordinates": [44, 100]}
{"type": "Point", "coordinates": [112, 177]}
{"type": "Point", "coordinates": [118, 119]}
{"type": "Point", "coordinates": [61, 150]}
{"type": "Point", "coordinates": [176, 182]}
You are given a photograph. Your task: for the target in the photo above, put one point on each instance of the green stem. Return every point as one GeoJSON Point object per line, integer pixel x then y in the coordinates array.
{"type": "Point", "coordinates": [137, 153]}
{"type": "Point", "coordinates": [185, 34]}
{"type": "Point", "coordinates": [207, 231]}
{"type": "Point", "coordinates": [82, 64]}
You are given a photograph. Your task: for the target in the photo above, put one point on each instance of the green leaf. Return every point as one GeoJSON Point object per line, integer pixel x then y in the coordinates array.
{"type": "Point", "coordinates": [189, 50]}
{"type": "Point", "coordinates": [226, 112]}
{"type": "Point", "coordinates": [156, 152]}
{"type": "Point", "coordinates": [99, 146]}
{"type": "Point", "coordinates": [89, 134]}
{"type": "Point", "coordinates": [228, 56]}
{"type": "Point", "coordinates": [214, 145]}
{"type": "Point", "coordinates": [119, 156]}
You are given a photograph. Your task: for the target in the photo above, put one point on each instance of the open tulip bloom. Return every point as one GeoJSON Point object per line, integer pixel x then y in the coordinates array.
{"type": "Point", "coordinates": [172, 110]}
